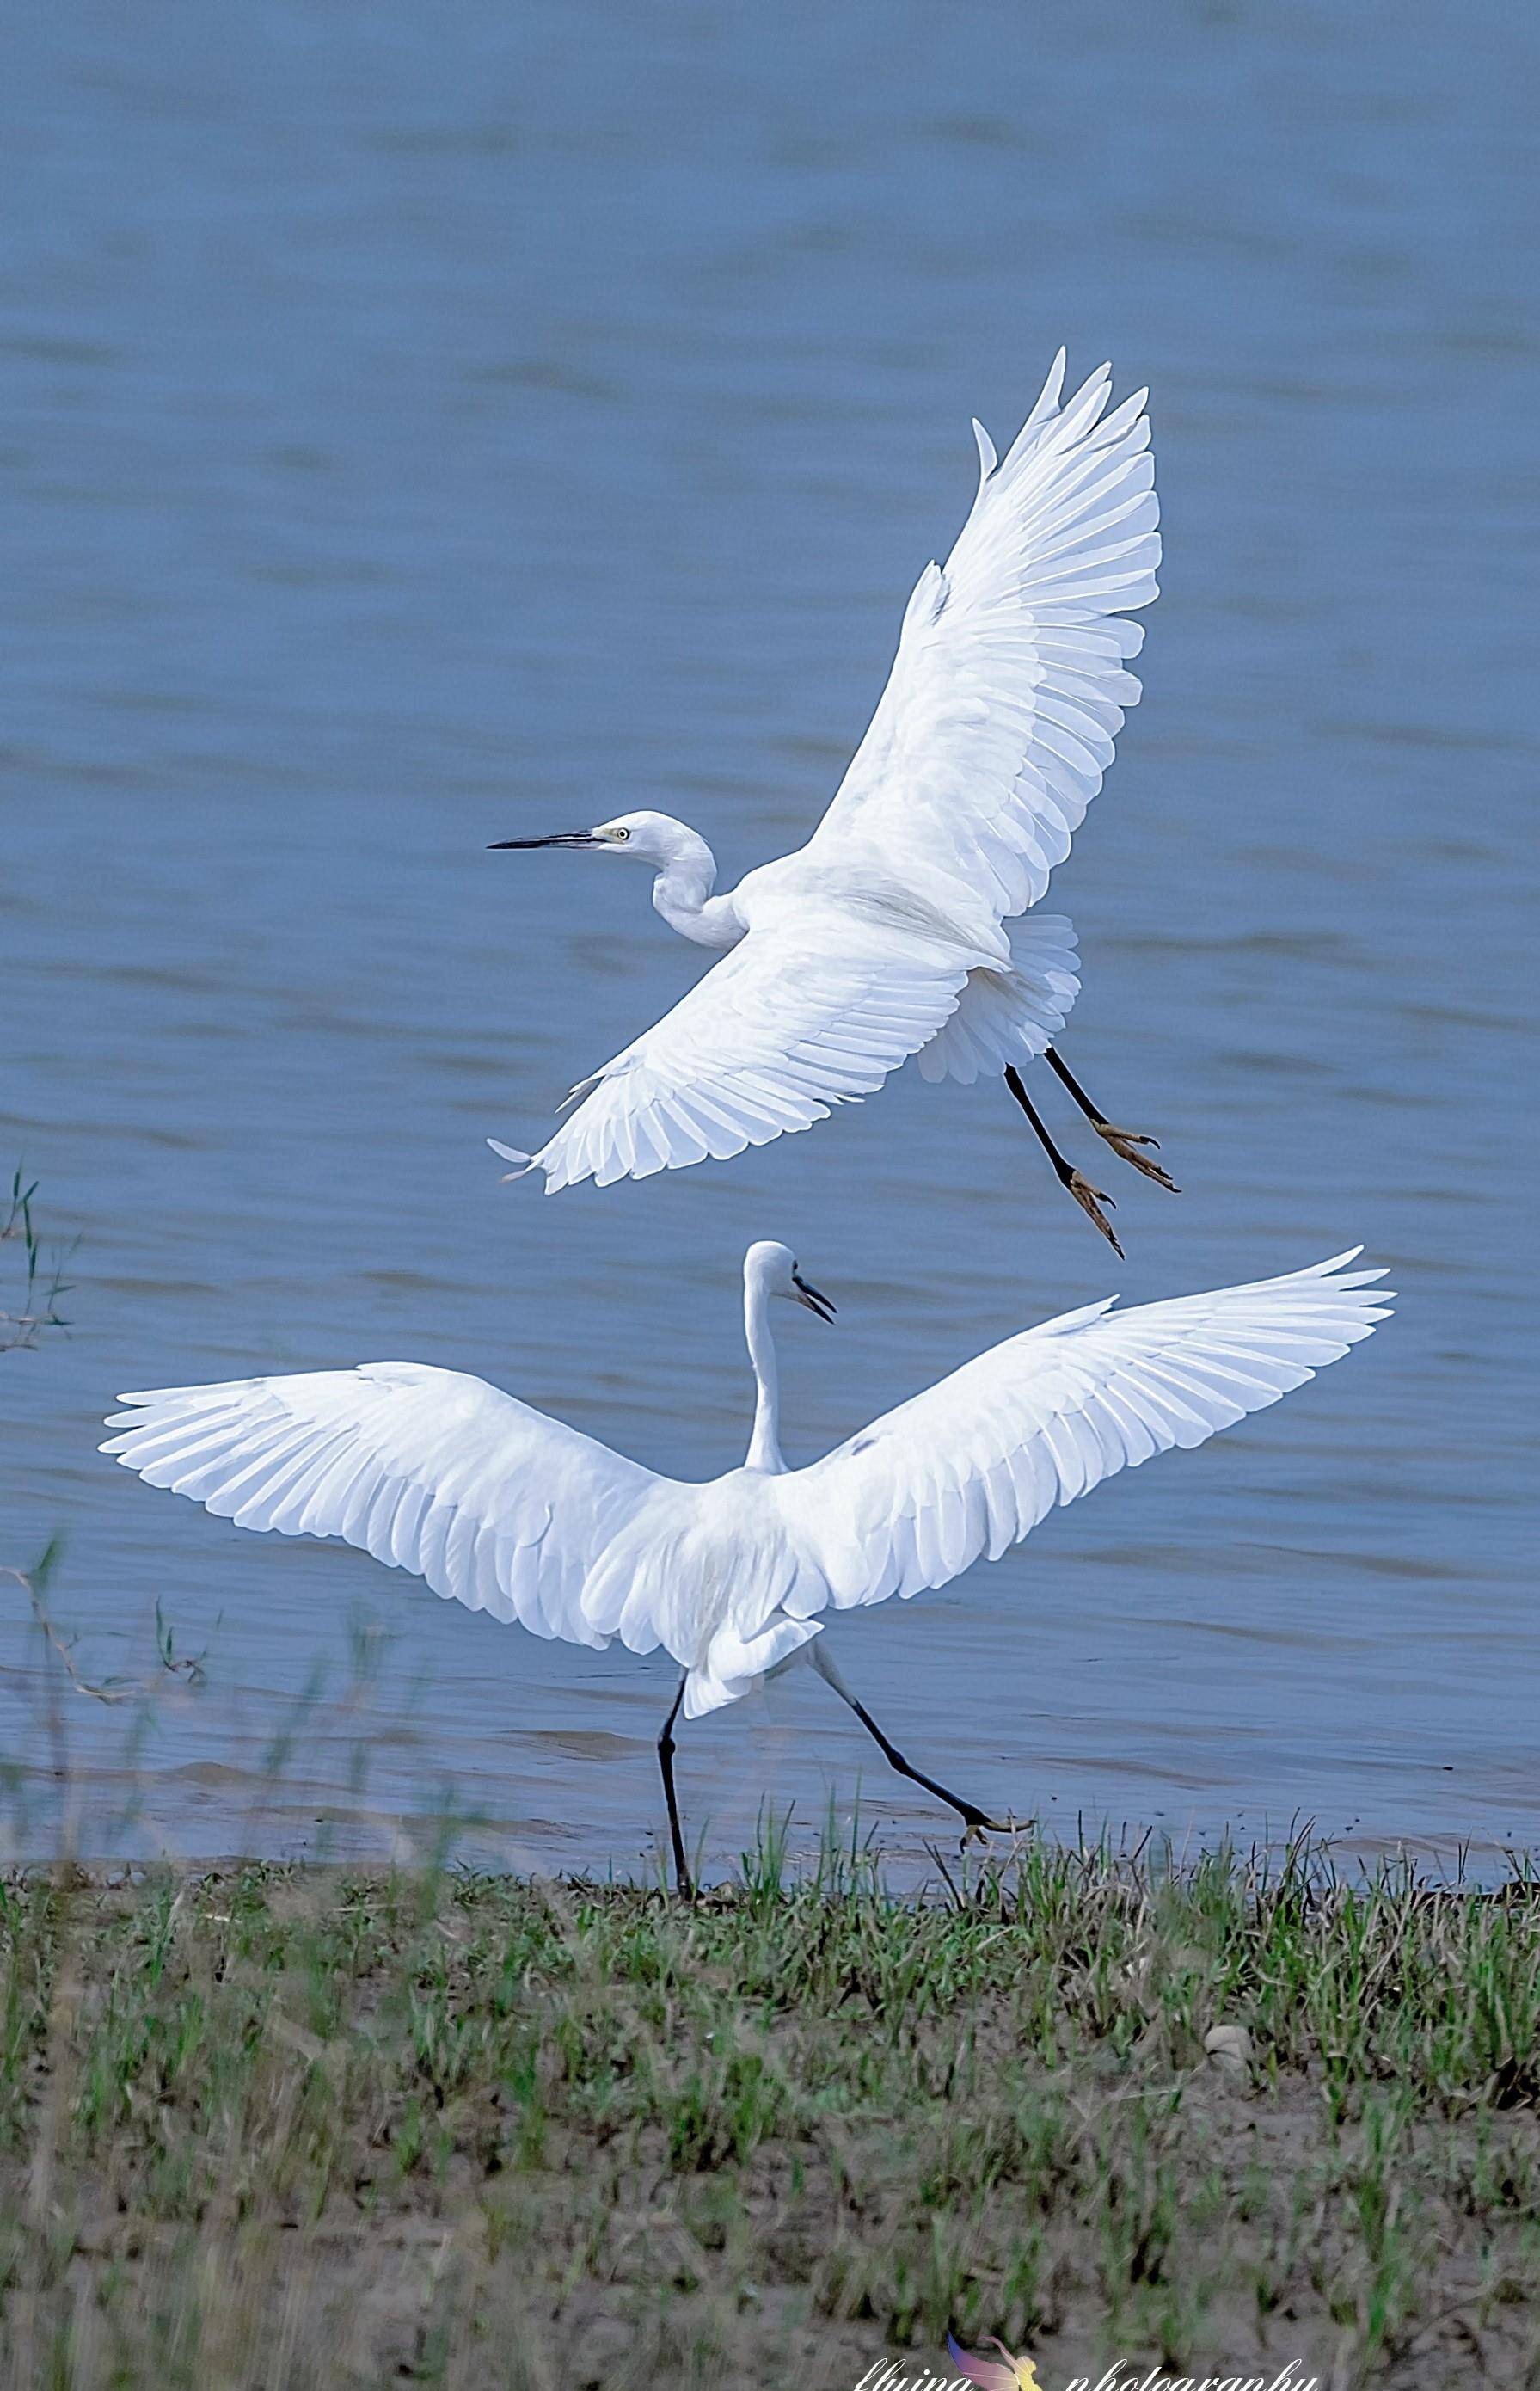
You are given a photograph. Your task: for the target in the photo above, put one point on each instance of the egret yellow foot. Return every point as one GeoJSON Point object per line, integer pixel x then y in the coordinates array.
{"type": "Point", "coordinates": [1124, 1144]}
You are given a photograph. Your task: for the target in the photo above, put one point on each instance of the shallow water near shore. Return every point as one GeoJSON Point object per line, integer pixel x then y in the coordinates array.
{"type": "Point", "coordinates": [421, 433]}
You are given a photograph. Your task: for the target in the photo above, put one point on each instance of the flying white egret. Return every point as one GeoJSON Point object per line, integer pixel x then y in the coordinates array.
{"type": "Point", "coordinates": [884, 937]}
{"type": "Point", "coordinates": [512, 1513]}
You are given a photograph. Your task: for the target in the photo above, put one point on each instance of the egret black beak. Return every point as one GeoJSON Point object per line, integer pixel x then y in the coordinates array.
{"type": "Point", "coordinates": [810, 1298]}
{"type": "Point", "coordinates": [557, 839]}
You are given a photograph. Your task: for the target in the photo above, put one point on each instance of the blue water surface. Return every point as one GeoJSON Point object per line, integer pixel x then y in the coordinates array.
{"type": "Point", "coordinates": [425, 426]}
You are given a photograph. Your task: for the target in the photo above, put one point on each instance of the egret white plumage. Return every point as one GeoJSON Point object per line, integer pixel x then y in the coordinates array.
{"type": "Point", "coordinates": [885, 936]}
{"type": "Point", "coordinates": [505, 1510]}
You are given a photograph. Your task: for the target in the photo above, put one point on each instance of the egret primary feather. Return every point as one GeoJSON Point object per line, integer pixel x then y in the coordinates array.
{"type": "Point", "coordinates": [507, 1511]}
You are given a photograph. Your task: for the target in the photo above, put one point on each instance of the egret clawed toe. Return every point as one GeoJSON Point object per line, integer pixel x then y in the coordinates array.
{"type": "Point", "coordinates": [1125, 1143]}
{"type": "Point", "coordinates": [1091, 1200]}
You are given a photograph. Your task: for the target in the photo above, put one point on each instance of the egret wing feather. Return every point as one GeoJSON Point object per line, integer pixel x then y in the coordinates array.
{"type": "Point", "coordinates": [1011, 681]}
{"type": "Point", "coordinates": [972, 1465]}
{"type": "Point", "coordinates": [812, 1010]}
{"type": "Point", "coordinates": [497, 1505]}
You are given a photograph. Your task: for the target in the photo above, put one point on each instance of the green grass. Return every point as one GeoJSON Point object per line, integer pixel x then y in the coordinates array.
{"type": "Point", "coordinates": [30, 1294]}
{"type": "Point", "coordinates": [279, 2127]}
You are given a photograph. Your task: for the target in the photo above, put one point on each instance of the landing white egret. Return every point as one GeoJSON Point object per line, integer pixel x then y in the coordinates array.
{"type": "Point", "coordinates": [512, 1513]}
{"type": "Point", "coordinates": [884, 937]}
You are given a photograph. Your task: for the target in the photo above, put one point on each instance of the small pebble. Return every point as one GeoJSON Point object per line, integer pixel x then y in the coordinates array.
{"type": "Point", "coordinates": [1231, 2045]}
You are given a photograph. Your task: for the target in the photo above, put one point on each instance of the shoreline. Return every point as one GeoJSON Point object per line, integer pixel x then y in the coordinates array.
{"type": "Point", "coordinates": [484, 2130]}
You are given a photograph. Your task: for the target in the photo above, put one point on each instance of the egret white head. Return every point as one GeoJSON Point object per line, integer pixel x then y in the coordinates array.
{"type": "Point", "coordinates": [771, 1269]}
{"type": "Point", "coordinates": [683, 865]}
{"type": "Point", "coordinates": [658, 839]}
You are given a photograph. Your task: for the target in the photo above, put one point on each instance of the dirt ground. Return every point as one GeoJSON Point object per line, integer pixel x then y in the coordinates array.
{"type": "Point", "coordinates": [266, 2128]}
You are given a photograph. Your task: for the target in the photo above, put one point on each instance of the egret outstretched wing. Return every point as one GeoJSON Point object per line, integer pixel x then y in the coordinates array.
{"type": "Point", "coordinates": [1010, 684]}
{"type": "Point", "coordinates": [971, 1464]}
{"type": "Point", "coordinates": [806, 1013]}
{"type": "Point", "coordinates": [429, 1470]}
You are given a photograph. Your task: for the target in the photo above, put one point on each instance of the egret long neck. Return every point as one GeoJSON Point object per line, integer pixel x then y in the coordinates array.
{"type": "Point", "coordinates": [764, 1451]}
{"type": "Point", "coordinates": [682, 893]}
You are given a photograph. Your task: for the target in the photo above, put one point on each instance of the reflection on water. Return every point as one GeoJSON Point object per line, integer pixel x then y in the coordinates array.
{"type": "Point", "coordinates": [419, 431]}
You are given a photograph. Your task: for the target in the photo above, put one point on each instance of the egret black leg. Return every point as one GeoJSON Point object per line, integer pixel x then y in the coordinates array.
{"type": "Point", "coordinates": [665, 1762]}
{"type": "Point", "coordinates": [1125, 1143]}
{"type": "Point", "coordinates": [974, 1820]}
{"type": "Point", "coordinates": [1089, 1198]}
